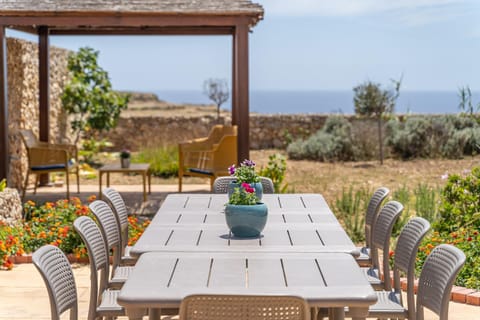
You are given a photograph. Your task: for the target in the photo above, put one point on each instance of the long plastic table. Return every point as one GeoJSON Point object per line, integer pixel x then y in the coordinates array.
{"type": "Point", "coordinates": [188, 249]}
{"type": "Point", "coordinates": [193, 222]}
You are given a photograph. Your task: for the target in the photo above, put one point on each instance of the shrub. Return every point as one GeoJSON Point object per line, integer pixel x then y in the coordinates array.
{"type": "Point", "coordinates": [467, 240]}
{"type": "Point", "coordinates": [275, 170]}
{"type": "Point", "coordinates": [163, 160]}
{"type": "Point", "coordinates": [426, 202]}
{"type": "Point", "coordinates": [333, 142]}
{"type": "Point", "coordinates": [351, 208]}
{"type": "Point", "coordinates": [52, 223]}
{"type": "Point", "coordinates": [460, 202]}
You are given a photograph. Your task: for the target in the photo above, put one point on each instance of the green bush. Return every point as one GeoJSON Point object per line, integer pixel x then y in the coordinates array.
{"type": "Point", "coordinates": [449, 136]}
{"type": "Point", "coordinates": [275, 170]}
{"type": "Point", "coordinates": [460, 202]}
{"type": "Point", "coordinates": [426, 202]}
{"type": "Point", "coordinates": [332, 143]}
{"type": "Point", "coordinates": [163, 160]}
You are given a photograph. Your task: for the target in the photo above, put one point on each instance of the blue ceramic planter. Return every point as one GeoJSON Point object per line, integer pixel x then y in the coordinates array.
{"type": "Point", "coordinates": [257, 186]}
{"type": "Point", "coordinates": [246, 221]}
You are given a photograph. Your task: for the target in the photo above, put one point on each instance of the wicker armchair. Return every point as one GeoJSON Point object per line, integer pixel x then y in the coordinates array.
{"type": "Point", "coordinates": [208, 157]}
{"type": "Point", "coordinates": [45, 157]}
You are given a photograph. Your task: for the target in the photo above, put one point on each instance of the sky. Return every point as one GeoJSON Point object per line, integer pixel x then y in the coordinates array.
{"type": "Point", "coordinates": [311, 45]}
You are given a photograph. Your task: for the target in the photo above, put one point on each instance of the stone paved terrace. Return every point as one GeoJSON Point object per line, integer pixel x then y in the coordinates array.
{"type": "Point", "coordinates": [22, 291]}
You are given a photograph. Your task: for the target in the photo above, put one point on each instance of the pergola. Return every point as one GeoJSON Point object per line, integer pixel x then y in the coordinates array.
{"type": "Point", "coordinates": [128, 17]}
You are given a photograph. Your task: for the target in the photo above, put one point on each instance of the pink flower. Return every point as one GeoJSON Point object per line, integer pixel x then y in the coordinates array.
{"type": "Point", "coordinates": [247, 187]}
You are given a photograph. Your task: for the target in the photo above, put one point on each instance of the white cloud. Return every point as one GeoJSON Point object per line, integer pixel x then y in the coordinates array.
{"type": "Point", "coordinates": [412, 12]}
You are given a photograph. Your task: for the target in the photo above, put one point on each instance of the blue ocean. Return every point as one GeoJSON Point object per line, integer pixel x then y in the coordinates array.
{"type": "Point", "coordinates": [340, 102]}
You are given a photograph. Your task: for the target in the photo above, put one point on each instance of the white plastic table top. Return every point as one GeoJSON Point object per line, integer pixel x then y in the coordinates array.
{"type": "Point", "coordinates": [196, 222]}
{"type": "Point", "coordinates": [163, 279]}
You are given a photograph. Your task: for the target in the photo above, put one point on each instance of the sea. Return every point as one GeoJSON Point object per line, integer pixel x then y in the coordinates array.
{"type": "Point", "coordinates": [328, 102]}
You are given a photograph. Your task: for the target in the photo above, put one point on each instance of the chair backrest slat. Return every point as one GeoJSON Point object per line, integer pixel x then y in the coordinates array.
{"type": "Point", "coordinates": [120, 210]}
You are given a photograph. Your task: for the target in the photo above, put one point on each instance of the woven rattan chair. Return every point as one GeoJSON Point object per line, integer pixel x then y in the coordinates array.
{"type": "Point", "coordinates": [57, 274]}
{"type": "Point", "coordinates": [364, 259]}
{"type": "Point", "coordinates": [243, 307]}
{"type": "Point", "coordinates": [111, 233]}
{"type": "Point", "coordinates": [103, 301]}
{"type": "Point", "coordinates": [434, 288]}
{"type": "Point", "coordinates": [382, 232]}
{"type": "Point", "coordinates": [120, 209]}
{"type": "Point", "coordinates": [220, 185]}
{"type": "Point", "coordinates": [46, 157]}
{"type": "Point", "coordinates": [390, 303]}
{"type": "Point", "coordinates": [208, 157]}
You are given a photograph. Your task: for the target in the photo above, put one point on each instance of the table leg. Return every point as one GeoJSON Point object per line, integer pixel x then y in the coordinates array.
{"type": "Point", "coordinates": [135, 314]}
{"type": "Point", "coordinates": [337, 313]}
{"type": "Point", "coordinates": [108, 179]}
{"type": "Point", "coordinates": [153, 314]}
{"type": "Point", "coordinates": [149, 182]}
{"type": "Point", "coordinates": [100, 174]}
{"type": "Point", "coordinates": [144, 180]}
{"type": "Point", "coordinates": [358, 313]}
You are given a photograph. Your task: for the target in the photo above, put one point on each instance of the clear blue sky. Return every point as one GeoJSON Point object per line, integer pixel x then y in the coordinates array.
{"type": "Point", "coordinates": [312, 45]}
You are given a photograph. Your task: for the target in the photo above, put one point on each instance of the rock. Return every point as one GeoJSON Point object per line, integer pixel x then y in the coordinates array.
{"type": "Point", "coordinates": [10, 206]}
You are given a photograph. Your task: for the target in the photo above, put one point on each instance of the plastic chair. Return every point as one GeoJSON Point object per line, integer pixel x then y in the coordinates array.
{"type": "Point", "coordinates": [365, 260]}
{"type": "Point", "coordinates": [390, 303]}
{"type": "Point", "coordinates": [243, 307]}
{"type": "Point", "coordinates": [57, 274]}
{"type": "Point", "coordinates": [46, 157]}
{"type": "Point", "coordinates": [103, 301]}
{"type": "Point", "coordinates": [434, 287]}
{"type": "Point", "coordinates": [111, 235]}
{"type": "Point", "coordinates": [382, 232]}
{"type": "Point", "coordinates": [220, 185]}
{"type": "Point", "coordinates": [120, 209]}
{"type": "Point", "coordinates": [208, 157]}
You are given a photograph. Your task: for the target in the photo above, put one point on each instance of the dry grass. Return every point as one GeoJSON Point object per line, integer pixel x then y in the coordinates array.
{"type": "Point", "coordinates": [330, 178]}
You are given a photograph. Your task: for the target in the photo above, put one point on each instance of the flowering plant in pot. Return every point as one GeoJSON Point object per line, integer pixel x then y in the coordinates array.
{"type": "Point", "coordinates": [125, 158]}
{"type": "Point", "coordinates": [245, 173]}
{"type": "Point", "coordinates": [245, 215]}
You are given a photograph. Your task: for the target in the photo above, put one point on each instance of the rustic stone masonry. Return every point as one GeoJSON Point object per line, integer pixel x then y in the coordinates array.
{"type": "Point", "coordinates": [10, 206]}
{"type": "Point", "coordinates": [23, 96]}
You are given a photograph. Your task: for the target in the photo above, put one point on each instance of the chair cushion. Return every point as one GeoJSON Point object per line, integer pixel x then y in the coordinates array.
{"type": "Point", "coordinates": [201, 171]}
{"type": "Point", "coordinates": [51, 166]}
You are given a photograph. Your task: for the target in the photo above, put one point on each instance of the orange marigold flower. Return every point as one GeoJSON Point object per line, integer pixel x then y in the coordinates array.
{"type": "Point", "coordinates": [92, 198]}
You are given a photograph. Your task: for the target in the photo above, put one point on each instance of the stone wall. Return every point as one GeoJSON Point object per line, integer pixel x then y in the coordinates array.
{"type": "Point", "coordinates": [23, 97]}
{"type": "Point", "coordinates": [266, 131]}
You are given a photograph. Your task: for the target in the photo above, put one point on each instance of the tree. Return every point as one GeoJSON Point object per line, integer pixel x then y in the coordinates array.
{"type": "Point", "coordinates": [89, 97]}
{"type": "Point", "coordinates": [372, 101]}
{"type": "Point", "coordinates": [217, 91]}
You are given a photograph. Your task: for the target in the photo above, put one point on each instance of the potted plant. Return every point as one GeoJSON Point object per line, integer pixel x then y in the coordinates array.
{"type": "Point", "coordinates": [245, 173]}
{"type": "Point", "coordinates": [125, 158]}
{"type": "Point", "coordinates": [245, 215]}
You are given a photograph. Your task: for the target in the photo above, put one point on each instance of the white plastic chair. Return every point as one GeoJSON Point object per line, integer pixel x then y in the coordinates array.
{"type": "Point", "coordinates": [381, 234]}
{"type": "Point", "coordinates": [365, 259]}
{"type": "Point", "coordinates": [434, 288]}
{"type": "Point", "coordinates": [103, 301]}
{"type": "Point", "coordinates": [220, 185]}
{"type": "Point", "coordinates": [121, 214]}
{"type": "Point", "coordinates": [111, 233]}
{"type": "Point", "coordinates": [243, 307]}
{"type": "Point", "coordinates": [57, 274]}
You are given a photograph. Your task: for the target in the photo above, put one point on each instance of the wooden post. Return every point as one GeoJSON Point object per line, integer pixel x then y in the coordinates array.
{"type": "Point", "coordinates": [241, 94]}
{"type": "Point", "coordinates": [44, 92]}
{"type": "Point", "coordinates": [4, 154]}
{"type": "Point", "coordinates": [234, 83]}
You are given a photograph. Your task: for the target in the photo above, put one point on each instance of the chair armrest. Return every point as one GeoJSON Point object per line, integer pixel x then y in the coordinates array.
{"type": "Point", "coordinates": [71, 149]}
